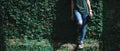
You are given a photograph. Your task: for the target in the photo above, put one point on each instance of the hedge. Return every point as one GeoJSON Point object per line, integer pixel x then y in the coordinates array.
{"type": "Point", "coordinates": [36, 19]}
{"type": "Point", "coordinates": [31, 18]}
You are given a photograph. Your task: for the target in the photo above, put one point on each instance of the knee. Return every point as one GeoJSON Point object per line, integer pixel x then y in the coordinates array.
{"type": "Point", "coordinates": [80, 22]}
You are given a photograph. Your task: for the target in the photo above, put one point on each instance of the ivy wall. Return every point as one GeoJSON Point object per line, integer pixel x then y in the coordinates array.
{"type": "Point", "coordinates": [45, 19]}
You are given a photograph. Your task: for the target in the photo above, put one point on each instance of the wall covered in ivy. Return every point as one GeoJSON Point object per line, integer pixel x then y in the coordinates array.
{"type": "Point", "coordinates": [96, 24]}
{"type": "Point", "coordinates": [45, 19]}
{"type": "Point", "coordinates": [29, 18]}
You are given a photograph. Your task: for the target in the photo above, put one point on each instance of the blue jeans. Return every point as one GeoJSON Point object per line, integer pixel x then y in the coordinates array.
{"type": "Point", "coordinates": [81, 20]}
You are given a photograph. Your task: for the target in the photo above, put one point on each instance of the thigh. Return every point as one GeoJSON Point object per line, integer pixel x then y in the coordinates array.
{"type": "Point", "coordinates": [78, 15]}
{"type": "Point", "coordinates": [84, 17]}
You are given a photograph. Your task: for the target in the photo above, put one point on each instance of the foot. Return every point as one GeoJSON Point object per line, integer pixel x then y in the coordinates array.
{"type": "Point", "coordinates": [81, 45]}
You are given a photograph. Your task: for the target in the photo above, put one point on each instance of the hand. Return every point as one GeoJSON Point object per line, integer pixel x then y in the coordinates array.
{"type": "Point", "coordinates": [90, 14]}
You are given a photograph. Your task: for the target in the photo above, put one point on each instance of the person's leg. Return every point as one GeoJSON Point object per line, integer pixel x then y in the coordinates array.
{"type": "Point", "coordinates": [83, 28]}
{"type": "Point", "coordinates": [83, 31]}
{"type": "Point", "coordinates": [81, 20]}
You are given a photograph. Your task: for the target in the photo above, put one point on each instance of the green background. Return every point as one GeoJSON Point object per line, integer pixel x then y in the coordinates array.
{"type": "Point", "coordinates": [41, 24]}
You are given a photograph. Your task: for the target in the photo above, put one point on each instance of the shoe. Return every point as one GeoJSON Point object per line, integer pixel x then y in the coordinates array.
{"type": "Point", "coordinates": [81, 45]}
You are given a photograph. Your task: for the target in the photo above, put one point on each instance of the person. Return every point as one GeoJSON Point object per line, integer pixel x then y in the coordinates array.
{"type": "Point", "coordinates": [81, 10]}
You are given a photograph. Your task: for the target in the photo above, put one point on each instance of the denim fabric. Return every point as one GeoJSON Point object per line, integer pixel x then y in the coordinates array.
{"type": "Point", "coordinates": [81, 20]}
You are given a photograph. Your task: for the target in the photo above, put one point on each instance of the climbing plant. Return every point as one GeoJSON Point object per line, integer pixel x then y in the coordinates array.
{"type": "Point", "coordinates": [33, 19]}
{"type": "Point", "coordinates": [96, 24]}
